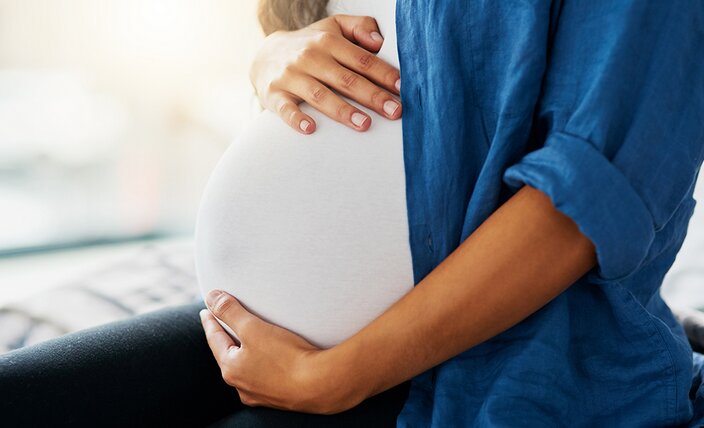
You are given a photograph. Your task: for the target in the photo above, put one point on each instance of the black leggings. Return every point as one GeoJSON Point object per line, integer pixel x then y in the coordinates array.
{"type": "Point", "coordinates": [151, 370]}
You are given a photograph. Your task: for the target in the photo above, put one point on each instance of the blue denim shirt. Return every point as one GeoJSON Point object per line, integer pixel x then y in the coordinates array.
{"type": "Point", "coordinates": [600, 105]}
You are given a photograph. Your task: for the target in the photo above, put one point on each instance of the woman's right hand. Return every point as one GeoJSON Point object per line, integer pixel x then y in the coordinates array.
{"type": "Point", "coordinates": [304, 65]}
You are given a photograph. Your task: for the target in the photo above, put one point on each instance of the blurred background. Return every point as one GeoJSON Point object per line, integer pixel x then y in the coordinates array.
{"type": "Point", "coordinates": [112, 115]}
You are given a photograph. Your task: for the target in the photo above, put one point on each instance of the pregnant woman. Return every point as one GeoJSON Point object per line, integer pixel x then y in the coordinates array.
{"type": "Point", "coordinates": [493, 259]}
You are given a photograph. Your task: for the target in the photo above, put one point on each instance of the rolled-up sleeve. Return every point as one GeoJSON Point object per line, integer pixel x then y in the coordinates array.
{"type": "Point", "coordinates": [621, 120]}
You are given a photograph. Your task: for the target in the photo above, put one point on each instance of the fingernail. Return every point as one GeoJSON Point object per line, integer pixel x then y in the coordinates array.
{"type": "Point", "coordinates": [390, 107]}
{"type": "Point", "coordinates": [376, 36]}
{"type": "Point", "coordinates": [358, 119]}
{"type": "Point", "coordinates": [212, 296]}
{"type": "Point", "coordinates": [202, 312]}
{"type": "Point", "coordinates": [304, 125]}
{"type": "Point", "coordinates": [398, 85]}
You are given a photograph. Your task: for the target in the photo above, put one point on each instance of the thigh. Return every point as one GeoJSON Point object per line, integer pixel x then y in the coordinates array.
{"type": "Point", "coordinates": [378, 411]}
{"type": "Point", "coordinates": [153, 369]}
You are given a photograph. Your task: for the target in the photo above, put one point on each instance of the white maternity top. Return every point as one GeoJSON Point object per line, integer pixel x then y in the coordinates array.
{"type": "Point", "coordinates": [310, 232]}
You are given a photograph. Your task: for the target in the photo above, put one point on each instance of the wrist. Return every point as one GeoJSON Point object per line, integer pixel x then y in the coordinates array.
{"type": "Point", "coordinates": [336, 382]}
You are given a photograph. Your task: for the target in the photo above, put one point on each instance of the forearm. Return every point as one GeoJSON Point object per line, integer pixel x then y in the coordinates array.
{"type": "Point", "coordinates": [522, 257]}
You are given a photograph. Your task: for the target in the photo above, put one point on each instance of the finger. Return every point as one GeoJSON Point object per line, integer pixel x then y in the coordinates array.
{"type": "Point", "coordinates": [368, 65]}
{"type": "Point", "coordinates": [358, 88]}
{"type": "Point", "coordinates": [330, 104]}
{"type": "Point", "coordinates": [362, 30]}
{"type": "Point", "coordinates": [219, 342]}
{"type": "Point", "coordinates": [288, 109]}
{"type": "Point", "coordinates": [230, 311]}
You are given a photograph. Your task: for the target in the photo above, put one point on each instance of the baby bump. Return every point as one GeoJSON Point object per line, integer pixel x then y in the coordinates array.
{"type": "Point", "coordinates": [309, 232]}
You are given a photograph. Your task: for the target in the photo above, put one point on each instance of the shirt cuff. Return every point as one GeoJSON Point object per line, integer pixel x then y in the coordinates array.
{"type": "Point", "coordinates": [584, 185]}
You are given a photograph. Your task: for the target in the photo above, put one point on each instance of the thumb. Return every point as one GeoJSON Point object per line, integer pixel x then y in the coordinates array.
{"type": "Point", "coordinates": [229, 310]}
{"type": "Point", "coordinates": [360, 29]}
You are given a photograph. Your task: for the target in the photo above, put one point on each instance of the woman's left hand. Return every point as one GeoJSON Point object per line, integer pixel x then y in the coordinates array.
{"type": "Point", "coordinates": [272, 366]}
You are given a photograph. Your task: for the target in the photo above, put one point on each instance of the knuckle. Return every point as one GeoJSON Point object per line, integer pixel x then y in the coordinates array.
{"type": "Point", "coordinates": [222, 304]}
{"type": "Point", "coordinates": [282, 80]}
{"type": "Point", "coordinates": [307, 54]}
{"type": "Point", "coordinates": [229, 376]}
{"type": "Point", "coordinates": [247, 400]}
{"type": "Point", "coordinates": [324, 38]}
{"type": "Point", "coordinates": [287, 112]}
{"type": "Point", "coordinates": [318, 93]}
{"type": "Point", "coordinates": [378, 97]}
{"type": "Point", "coordinates": [271, 87]}
{"type": "Point", "coordinates": [366, 61]}
{"type": "Point", "coordinates": [348, 80]}
{"type": "Point", "coordinates": [391, 77]}
{"type": "Point", "coordinates": [288, 72]}
{"type": "Point", "coordinates": [290, 117]}
{"type": "Point", "coordinates": [282, 108]}
{"type": "Point", "coordinates": [369, 20]}
{"type": "Point", "coordinates": [344, 111]}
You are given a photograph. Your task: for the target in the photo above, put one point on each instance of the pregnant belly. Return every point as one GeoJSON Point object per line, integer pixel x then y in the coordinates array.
{"type": "Point", "coordinates": [309, 232]}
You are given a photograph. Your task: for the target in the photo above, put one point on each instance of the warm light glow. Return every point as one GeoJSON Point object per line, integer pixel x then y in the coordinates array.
{"type": "Point", "coordinates": [113, 112]}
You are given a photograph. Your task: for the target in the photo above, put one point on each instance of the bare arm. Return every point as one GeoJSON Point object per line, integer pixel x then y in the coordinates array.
{"type": "Point", "coordinates": [522, 257]}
